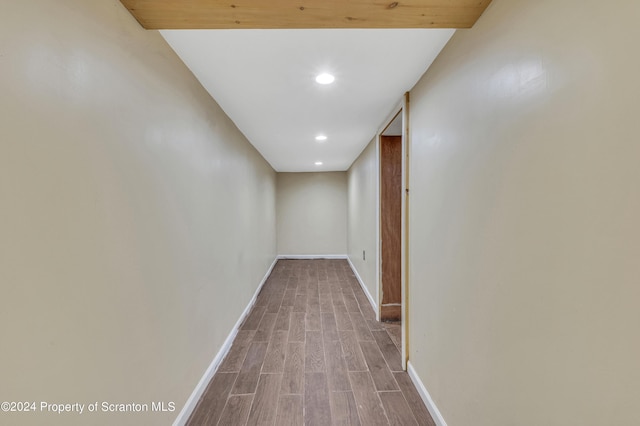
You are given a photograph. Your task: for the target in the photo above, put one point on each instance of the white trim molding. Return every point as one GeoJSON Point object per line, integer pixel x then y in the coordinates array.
{"type": "Point", "coordinates": [312, 256]}
{"type": "Point", "coordinates": [424, 394]}
{"type": "Point", "coordinates": [364, 288]}
{"type": "Point", "coordinates": [191, 403]}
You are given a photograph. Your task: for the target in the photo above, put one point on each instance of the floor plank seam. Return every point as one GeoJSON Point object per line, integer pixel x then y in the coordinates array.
{"type": "Point", "coordinates": [310, 334]}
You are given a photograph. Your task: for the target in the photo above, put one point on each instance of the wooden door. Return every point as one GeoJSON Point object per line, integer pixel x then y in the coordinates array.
{"type": "Point", "coordinates": [391, 226]}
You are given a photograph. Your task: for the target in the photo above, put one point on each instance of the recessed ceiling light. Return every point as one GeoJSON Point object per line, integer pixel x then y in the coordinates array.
{"type": "Point", "coordinates": [318, 163]}
{"type": "Point", "coordinates": [325, 78]}
{"type": "Point", "coordinates": [321, 138]}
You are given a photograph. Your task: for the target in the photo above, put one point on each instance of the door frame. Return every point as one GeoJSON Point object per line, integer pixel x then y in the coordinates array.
{"type": "Point", "coordinates": [401, 108]}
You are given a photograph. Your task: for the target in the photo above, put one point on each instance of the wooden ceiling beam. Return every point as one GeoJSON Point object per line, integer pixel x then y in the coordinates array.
{"type": "Point", "coordinates": [290, 14]}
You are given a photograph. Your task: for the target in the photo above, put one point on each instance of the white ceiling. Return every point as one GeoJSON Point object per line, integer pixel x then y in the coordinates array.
{"type": "Point", "coordinates": [265, 81]}
{"type": "Point", "coordinates": [395, 127]}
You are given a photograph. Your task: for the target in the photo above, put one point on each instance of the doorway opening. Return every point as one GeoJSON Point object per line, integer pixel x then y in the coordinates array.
{"type": "Point", "coordinates": [393, 193]}
{"type": "Point", "coordinates": [390, 226]}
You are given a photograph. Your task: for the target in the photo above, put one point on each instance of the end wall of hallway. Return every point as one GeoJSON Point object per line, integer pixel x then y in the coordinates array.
{"type": "Point", "coordinates": [311, 211]}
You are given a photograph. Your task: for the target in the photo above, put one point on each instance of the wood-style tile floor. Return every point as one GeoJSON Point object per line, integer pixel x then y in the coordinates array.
{"type": "Point", "coordinates": [311, 353]}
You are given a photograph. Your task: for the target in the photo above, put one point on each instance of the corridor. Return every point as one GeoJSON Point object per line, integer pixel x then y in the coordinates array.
{"type": "Point", "coordinates": [311, 352]}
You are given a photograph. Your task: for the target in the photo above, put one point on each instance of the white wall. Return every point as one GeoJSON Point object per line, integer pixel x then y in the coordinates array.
{"type": "Point", "coordinates": [312, 213]}
{"type": "Point", "coordinates": [362, 217]}
{"type": "Point", "coordinates": [524, 209]}
{"type": "Point", "coordinates": [136, 221]}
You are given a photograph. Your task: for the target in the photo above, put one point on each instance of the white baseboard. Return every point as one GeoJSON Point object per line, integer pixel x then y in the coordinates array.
{"type": "Point", "coordinates": [374, 305]}
{"type": "Point", "coordinates": [191, 403]}
{"type": "Point", "coordinates": [424, 394]}
{"type": "Point", "coordinates": [312, 256]}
